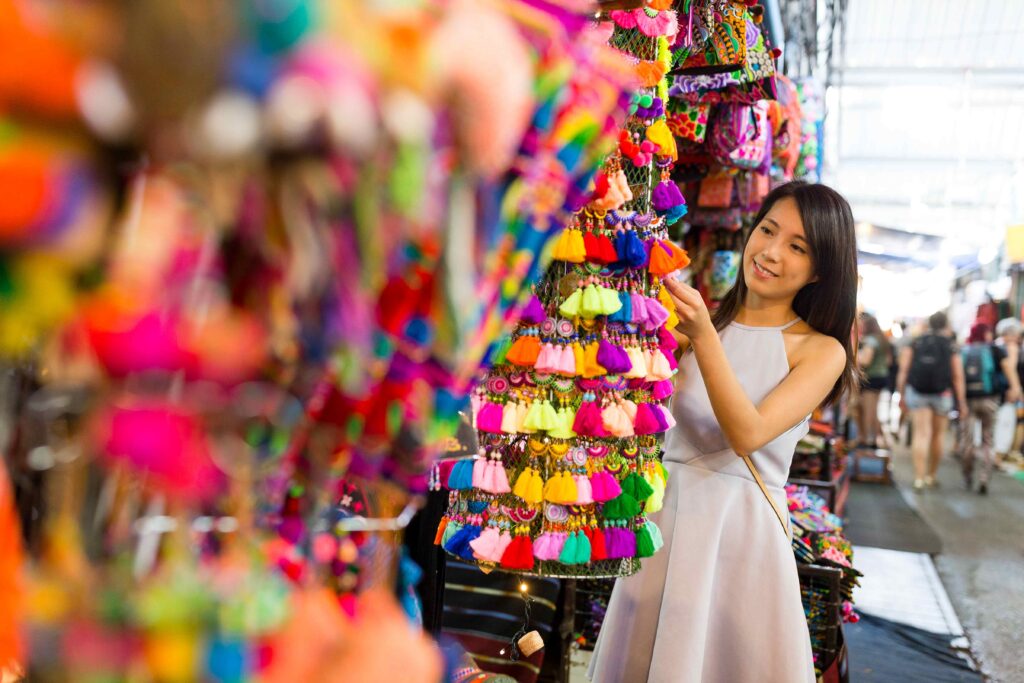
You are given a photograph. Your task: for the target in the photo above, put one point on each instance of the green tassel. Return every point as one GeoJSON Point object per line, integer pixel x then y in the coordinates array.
{"type": "Point", "coordinates": [582, 548]}
{"type": "Point", "coordinates": [622, 507]}
{"type": "Point", "coordinates": [501, 351]}
{"type": "Point", "coordinates": [655, 533]}
{"type": "Point", "coordinates": [644, 542]}
{"type": "Point", "coordinates": [635, 486]}
{"type": "Point", "coordinates": [568, 554]}
{"type": "Point", "coordinates": [449, 531]}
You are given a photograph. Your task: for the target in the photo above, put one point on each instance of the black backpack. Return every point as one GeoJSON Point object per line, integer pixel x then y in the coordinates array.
{"type": "Point", "coordinates": [930, 371]}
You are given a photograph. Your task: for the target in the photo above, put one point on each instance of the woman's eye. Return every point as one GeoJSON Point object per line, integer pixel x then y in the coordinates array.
{"type": "Point", "coordinates": [765, 230]}
{"type": "Point", "coordinates": [799, 249]}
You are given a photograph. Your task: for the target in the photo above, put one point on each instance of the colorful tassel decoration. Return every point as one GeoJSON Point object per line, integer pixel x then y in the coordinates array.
{"type": "Point", "coordinates": [524, 351]}
{"type": "Point", "coordinates": [500, 478]}
{"type": "Point", "coordinates": [656, 538]}
{"type": "Point", "coordinates": [646, 421]}
{"type": "Point", "coordinates": [582, 548]}
{"type": "Point", "coordinates": [535, 489]}
{"type": "Point", "coordinates": [519, 554]}
{"type": "Point", "coordinates": [547, 359]}
{"type": "Point", "coordinates": [592, 246]}
{"type": "Point", "coordinates": [566, 362]}
{"type": "Point", "coordinates": [629, 408]}
{"type": "Point", "coordinates": [508, 418]}
{"type": "Point", "coordinates": [533, 312]}
{"type": "Point", "coordinates": [616, 421]}
{"type": "Point", "coordinates": [548, 417]}
{"type": "Point", "coordinates": [564, 430]}
{"type": "Point", "coordinates": [551, 493]}
{"type": "Point", "coordinates": [458, 544]}
{"type": "Point", "coordinates": [570, 247]}
{"type": "Point", "coordinates": [489, 418]}
{"type": "Point", "coordinates": [665, 417]}
{"type": "Point", "coordinates": [656, 313]}
{"type": "Point", "coordinates": [666, 258]}
{"type": "Point", "coordinates": [601, 249]}
{"type": "Point", "coordinates": [667, 341]}
{"type": "Point", "coordinates": [656, 501]}
{"type": "Point", "coordinates": [533, 417]}
{"type": "Point", "coordinates": [570, 308]}
{"type": "Point", "coordinates": [567, 490]}
{"type": "Point", "coordinates": [638, 368]}
{"type": "Point", "coordinates": [544, 547]}
{"type": "Point", "coordinates": [522, 410]}
{"type": "Point", "coordinates": [591, 367]}
{"type": "Point", "coordinates": [631, 250]}
{"type": "Point", "coordinates": [479, 465]}
{"type": "Point", "coordinates": [588, 419]}
{"type": "Point", "coordinates": [453, 527]}
{"type": "Point", "coordinates": [624, 506]}
{"type": "Point", "coordinates": [500, 353]}
{"type": "Point", "coordinates": [439, 535]}
{"type": "Point", "coordinates": [584, 496]}
{"type": "Point", "coordinates": [625, 312]}
{"type": "Point", "coordinates": [579, 356]}
{"type": "Point", "coordinates": [661, 391]}
{"type": "Point", "coordinates": [612, 358]}
{"type": "Point", "coordinates": [636, 486]}
{"type": "Point", "coordinates": [569, 549]}
{"type": "Point", "coordinates": [610, 302]}
{"type": "Point", "coordinates": [591, 305]}
{"type": "Point", "coordinates": [461, 476]}
{"type": "Point", "coordinates": [598, 544]}
{"type": "Point", "coordinates": [639, 308]}
{"type": "Point", "coordinates": [644, 542]}
{"type": "Point", "coordinates": [666, 300]}
{"type": "Point", "coordinates": [604, 486]}
{"type": "Point", "coordinates": [659, 369]}
{"type": "Point", "coordinates": [485, 545]}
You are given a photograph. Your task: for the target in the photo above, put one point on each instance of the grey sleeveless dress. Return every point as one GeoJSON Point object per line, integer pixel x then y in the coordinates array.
{"type": "Point", "coordinates": [720, 603]}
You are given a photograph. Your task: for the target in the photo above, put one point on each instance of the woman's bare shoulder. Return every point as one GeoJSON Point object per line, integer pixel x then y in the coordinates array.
{"type": "Point", "coordinates": [806, 344]}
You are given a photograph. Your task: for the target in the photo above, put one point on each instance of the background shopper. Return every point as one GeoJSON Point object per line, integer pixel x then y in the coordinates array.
{"type": "Point", "coordinates": [931, 373]}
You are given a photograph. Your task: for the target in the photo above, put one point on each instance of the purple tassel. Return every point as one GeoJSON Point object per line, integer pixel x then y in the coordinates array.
{"type": "Point", "coordinates": [612, 358]}
{"type": "Point", "coordinates": [534, 312]}
{"type": "Point", "coordinates": [666, 196]}
{"type": "Point", "coordinates": [639, 307]}
{"type": "Point", "coordinates": [660, 415]}
{"type": "Point", "coordinates": [656, 313]}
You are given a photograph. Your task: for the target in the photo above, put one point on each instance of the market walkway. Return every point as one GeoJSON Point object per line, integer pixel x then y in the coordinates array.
{"type": "Point", "coordinates": [982, 560]}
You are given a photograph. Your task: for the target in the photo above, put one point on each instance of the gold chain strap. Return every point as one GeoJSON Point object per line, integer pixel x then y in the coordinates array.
{"type": "Point", "coordinates": [764, 490]}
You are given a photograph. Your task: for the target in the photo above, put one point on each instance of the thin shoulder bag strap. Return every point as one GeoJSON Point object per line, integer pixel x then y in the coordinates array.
{"type": "Point", "coordinates": [768, 497]}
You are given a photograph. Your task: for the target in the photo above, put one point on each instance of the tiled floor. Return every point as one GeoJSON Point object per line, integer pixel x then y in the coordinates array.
{"type": "Point", "coordinates": [904, 587]}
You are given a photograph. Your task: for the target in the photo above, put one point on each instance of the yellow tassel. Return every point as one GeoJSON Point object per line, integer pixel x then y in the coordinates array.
{"type": "Point", "coordinates": [568, 489]}
{"type": "Point", "coordinates": [610, 302]}
{"type": "Point", "coordinates": [580, 356]}
{"type": "Point", "coordinates": [670, 306]}
{"type": "Point", "coordinates": [570, 247]}
{"type": "Point", "coordinates": [551, 489]}
{"type": "Point", "coordinates": [522, 486]}
{"type": "Point", "coordinates": [535, 489]}
{"type": "Point", "coordinates": [590, 307]}
{"type": "Point", "coordinates": [570, 308]}
{"type": "Point", "coordinates": [591, 368]}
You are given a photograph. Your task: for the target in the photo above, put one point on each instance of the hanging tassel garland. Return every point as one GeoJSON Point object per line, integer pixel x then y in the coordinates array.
{"type": "Point", "coordinates": [450, 530]}
{"type": "Point", "coordinates": [634, 485]}
{"type": "Point", "coordinates": [644, 542]}
{"type": "Point", "coordinates": [656, 538]}
{"type": "Point", "coordinates": [598, 544]}
{"type": "Point", "coordinates": [486, 544]}
{"type": "Point", "coordinates": [570, 247]}
{"type": "Point", "coordinates": [590, 305]}
{"type": "Point", "coordinates": [479, 466]}
{"type": "Point", "coordinates": [547, 360]}
{"type": "Point", "coordinates": [584, 496]}
{"type": "Point", "coordinates": [623, 506]}
{"type": "Point", "coordinates": [591, 367]}
{"type": "Point", "coordinates": [612, 358]}
{"type": "Point", "coordinates": [569, 549]}
{"type": "Point", "coordinates": [489, 418]}
{"type": "Point", "coordinates": [499, 478]}
{"type": "Point", "coordinates": [646, 422]}
{"type": "Point", "coordinates": [656, 313]}
{"type": "Point", "coordinates": [458, 544]}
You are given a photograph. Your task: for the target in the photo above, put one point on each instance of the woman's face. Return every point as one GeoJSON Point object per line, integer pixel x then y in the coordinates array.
{"type": "Point", "coordinates": [777, 259]}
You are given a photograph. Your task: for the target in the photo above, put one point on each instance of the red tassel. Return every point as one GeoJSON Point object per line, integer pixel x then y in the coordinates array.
{"type": "Point", "coordinates": [519, 554]}
{"type": "Point", "coordinates": [592, 246]}
{"type": "Point", "coordinates": [607, 250]}
{"type": "Point", "coordinates": [598, 550]}
{"type": "Point", "coordinates": [396, 305]}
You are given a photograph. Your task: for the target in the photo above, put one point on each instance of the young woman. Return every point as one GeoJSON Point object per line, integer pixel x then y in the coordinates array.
{"type": "Point", "coordinates": [720, 603]}
{"type": "Point", "coordinates": [873, 356]}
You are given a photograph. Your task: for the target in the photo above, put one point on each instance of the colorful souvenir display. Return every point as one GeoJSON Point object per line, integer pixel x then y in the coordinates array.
{"type": "Point", "coordinates": [570, 413]}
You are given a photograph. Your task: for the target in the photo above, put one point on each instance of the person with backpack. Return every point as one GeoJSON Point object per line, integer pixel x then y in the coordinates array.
{"type": "Point", "coordinates": [930, 374]}
{"type": "Point", "coordinates": [873, 354]}
{"type": "Point", "coordinates": [987, 369]}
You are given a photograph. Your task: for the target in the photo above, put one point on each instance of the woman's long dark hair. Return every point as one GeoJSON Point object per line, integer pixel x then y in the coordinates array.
{"type": "Point", "coordinates": [829, 304]}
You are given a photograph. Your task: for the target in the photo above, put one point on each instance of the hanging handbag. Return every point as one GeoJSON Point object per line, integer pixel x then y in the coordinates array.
{"type": "Point", "coordinates": [725, 48]}
{"type": "Point", "coordinates": [740, 135]}
{"type": "Point", "coordinates": [754, 81]}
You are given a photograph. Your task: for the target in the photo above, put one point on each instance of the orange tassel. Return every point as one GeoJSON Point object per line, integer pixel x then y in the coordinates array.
{"type": "Point", "coordinates": [524, 351]}
{"type": "Point", "coordinates": [440, 531]}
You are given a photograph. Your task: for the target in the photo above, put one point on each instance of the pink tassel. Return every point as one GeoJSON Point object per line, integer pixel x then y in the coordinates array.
{"type": "Point", "coordinates": [547, 360]}
{"type": "Point", "coordinates": [639, 306]}
{"type": "Point", "coordinates": [485, 546]}
{"type": "Point", "coordinates": [629, 408]}
{"type": "Point", "coordinates": [588, 419]}
{"type": "Point", "coordinates": [566, 362]}
{"type": "Point", "coordinates": [656, 313]}
{"type": "Point", "coordinates": [584, 496]}
{"type": "Point", "coordinates": [646, 421]}
{"type": "Point", "coordinates": [666, 417]}
{"type": "Point", "coordinates": [500, 483]}
{"type": "Point", "coordinates": [479, 473]}
{"type": "Point", "coordinates": [504, 540]}
{"type": "Point", "coordinates": [615, 421]}
{"type": "Point", "coordinates": [666, 340]}
{"type": "Point", "coordinates": [670, 357]}
{"type": "Point", "coordinates": [489, 418]}
{"type": "Point", "coordinates": [604, 487]}
{"type": "Point", "coordinates": [660, 391]}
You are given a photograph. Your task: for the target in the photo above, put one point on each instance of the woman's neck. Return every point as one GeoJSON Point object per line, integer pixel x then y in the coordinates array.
{"type": "Point", "coordinates": [757, 312]}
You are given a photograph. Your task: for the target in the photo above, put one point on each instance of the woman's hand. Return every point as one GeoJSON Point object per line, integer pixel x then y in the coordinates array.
{"type": "Point", "coordinates": [694, 319]}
